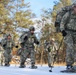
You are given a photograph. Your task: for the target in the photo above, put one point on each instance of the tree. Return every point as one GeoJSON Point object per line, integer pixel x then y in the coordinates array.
{"type": "Point", "coordinates": [14, 14]}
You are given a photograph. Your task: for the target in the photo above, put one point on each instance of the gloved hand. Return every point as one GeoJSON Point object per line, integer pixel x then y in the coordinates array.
{"type": "Point", "coordinates": [37, 42]}
{"type": "Point", "coordinates": [49, 50]}
{"type": "Point", "coordinates": [64, 33]}
{"type": "Point", "coordinates": [4, 45]}
{"type": "Point", "coordinates": [25, 38]}
{"type": "Point", "coordinates": [22, 44]}
{"type": "Point", "coordinates": [57, 24]}
{"type": "Point", "coordinates": [16, 46]}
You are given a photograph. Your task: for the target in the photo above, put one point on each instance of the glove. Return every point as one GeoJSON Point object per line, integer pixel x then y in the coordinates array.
{"type": "Point", "coordinates": [25, 38]}
{"type": "Point", "coordinates": [16, 46]}
{"type": "Point", "coordinates": [4, 45]}
{"type": "Point", "coordinates": [22, 44]}
{"type": "Point", "coordinates": [64, 33]}
{"type": "Point", "coordinates": [37, 42]}
{"type": "Point", "coordinates": [49, 50]}
{"type": "Point", "coordinates": [57, 24]}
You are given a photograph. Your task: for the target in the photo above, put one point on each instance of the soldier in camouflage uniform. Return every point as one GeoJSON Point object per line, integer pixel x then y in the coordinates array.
{"type": "Point", "coordinates": [50, 48]}
{"type": "Point", "coordinates": [68, 29]}
{"type": "Point", "coordinates": [7, 44]}
{"type": "Point", "coordinates": [27, 45]}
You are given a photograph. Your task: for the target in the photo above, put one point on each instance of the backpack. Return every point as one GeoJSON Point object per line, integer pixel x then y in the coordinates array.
{"type": "Point", "coordinates": [24, 36]}
{"type": "Point", "coordinates": [60, 15]}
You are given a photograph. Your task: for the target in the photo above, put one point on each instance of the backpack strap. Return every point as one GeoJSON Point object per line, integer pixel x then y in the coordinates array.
{"type": "Point", "coordinates": [68, 19]}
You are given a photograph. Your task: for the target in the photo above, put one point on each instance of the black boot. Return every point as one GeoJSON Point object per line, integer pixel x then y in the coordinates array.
{"type": "Point", "coordinates": [70, 67]}
{"type": "Point", "coordinates": [22, 65]}
{"type": "Point", "coordinates": [33, 67]}
{"type": "Point", "coordinates": [50, 66]}
{"type": "Point", "coordinates": [7, 64]}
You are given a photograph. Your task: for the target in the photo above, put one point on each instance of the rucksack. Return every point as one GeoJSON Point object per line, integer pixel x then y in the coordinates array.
{"type": "Point", "coordinates": [60, 15]}
{"type": "Point", "coordinates": [24, 36]}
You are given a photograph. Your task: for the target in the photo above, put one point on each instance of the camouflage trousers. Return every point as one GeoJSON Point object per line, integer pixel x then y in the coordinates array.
{"type": "Point", "coordinates": [7, 55]}
{"type": "Point", "coordinates": [1, 58]}
{"type": "Point", "coordinates": [70, 41]}
{"type": "Point", "coordinates": [50, 58]}
{"type": "Point", "coordinates": [30, 53]}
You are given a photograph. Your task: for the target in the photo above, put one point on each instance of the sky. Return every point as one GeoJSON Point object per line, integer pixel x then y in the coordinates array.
{"type": "Point", "coordinates": [37, 5]}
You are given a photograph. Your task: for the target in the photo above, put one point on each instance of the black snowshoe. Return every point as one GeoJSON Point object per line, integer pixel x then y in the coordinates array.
{"type": "Point", "coordinates": [50, 70]}
{"type": "Point", "coordinates": [33, 67]}
{"type": "Point", "coordinates": [70, 69]}
{"type": "Point", "coordinates": [22, 66]}
{"type": "Point", "coordinates": [7, 64]}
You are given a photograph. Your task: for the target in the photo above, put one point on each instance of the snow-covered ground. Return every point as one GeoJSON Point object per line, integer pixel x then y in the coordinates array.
{"type": "Point", "coordinates": [41, 70]}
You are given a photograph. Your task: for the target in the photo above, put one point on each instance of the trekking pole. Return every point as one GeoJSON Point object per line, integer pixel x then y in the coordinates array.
{"type": "Point", "coordinates": [58, 50]}
{"type": "Point", "coordinates": [41, 58]}
{"type": "Point", "coordinates": [41, 55]}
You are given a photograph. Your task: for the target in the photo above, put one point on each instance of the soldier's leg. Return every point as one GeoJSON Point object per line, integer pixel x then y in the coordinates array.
{"type": "Point", "coordinates": [2, 59]}
{"type": "Point", "coordinates": [6, 58]}
{"type": "Point", "coordinates": [9, 58]}
{"type": "Point", "coordinates": [49, 59]}
{"type": "Point", "coordinates": [69, 51]}
{"type": "Point", "coordinates": [33, 59]}
{"type": "Point", "coordinates": [74, 52]}
{"type": "Point", "coordinates": [23, 59]}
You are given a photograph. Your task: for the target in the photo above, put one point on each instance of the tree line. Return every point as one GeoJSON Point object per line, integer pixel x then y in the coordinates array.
{"type": "Point", "coordinates": [17, 14]}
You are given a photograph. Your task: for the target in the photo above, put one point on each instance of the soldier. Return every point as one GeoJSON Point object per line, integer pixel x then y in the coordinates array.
{"type": "Point", "coordinates": [7, 44]}
{"type": "Point", "coordinates": [50, 48]}
{"type": "Point", "coordinates": [27, 45]}
{"type": "Point", "coordinates": [68, 30]}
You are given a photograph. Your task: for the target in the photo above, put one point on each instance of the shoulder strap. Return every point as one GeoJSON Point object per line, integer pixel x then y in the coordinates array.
{"type": "Point", "coordinates": [68, 17]}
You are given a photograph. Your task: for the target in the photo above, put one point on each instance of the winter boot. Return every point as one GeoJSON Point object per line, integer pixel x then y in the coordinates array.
{"type": "Point", "coordinates": [22, 65]}
{"type": "Point", "coordinates": [7, 64]}
{"type": "Point", "coordinates": [70, 68]}
{"type": "Point", "coordinates": [50, 66]}
{"type": "Point", "coordinates": [33, 67]}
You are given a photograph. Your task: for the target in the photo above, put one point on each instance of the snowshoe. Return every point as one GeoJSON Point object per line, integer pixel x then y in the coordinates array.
{"type": "Point", "coordinates": [70, 70]}
{"type": "Point", "coordinates": [33, 67]}
{"type": "Point", "coordinates": [50, 70]}
{"type": "Point", "coordinates": [22, 66]}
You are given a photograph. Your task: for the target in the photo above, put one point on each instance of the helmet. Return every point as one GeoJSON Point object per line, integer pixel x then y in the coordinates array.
{"type": "Point", "coordinates": [8, 35]}
{"type": "Point", "coordinates": [53, 39]}
{"type": "Point", "coordinates": [32, 28]}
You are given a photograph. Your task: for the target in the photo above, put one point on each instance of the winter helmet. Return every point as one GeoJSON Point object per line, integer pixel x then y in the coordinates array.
{"type": "Point", "coordinates": [32, 28]}
{"type": "Point", "coordinates": [8, 35]}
